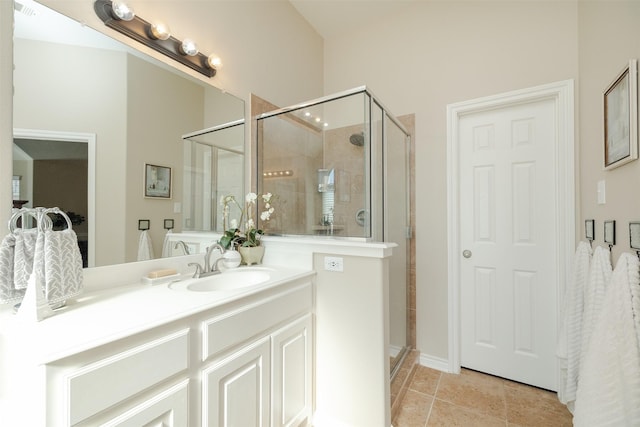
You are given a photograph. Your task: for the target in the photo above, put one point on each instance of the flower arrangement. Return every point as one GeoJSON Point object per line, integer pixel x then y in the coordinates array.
{"type": "Point", "coordinates": [243, 232]}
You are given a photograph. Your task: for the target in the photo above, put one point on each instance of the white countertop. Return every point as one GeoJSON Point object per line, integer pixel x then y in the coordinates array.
{"type": "Point", "coordinates": [106, 315]}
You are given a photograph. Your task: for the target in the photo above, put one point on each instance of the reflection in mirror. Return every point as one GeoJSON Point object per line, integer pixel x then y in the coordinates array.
{"type": "Point", "coordinates": [75, 80]}
{"type": "Point", "coordinates": [213, 168]}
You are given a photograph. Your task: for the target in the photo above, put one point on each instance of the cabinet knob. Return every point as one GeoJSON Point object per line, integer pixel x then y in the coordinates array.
{"type": "Point", "coordinates": [466, 253]}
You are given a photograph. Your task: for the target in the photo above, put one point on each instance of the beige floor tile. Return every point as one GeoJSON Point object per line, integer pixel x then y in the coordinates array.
{"type": "Point", "coordinates": [415, 410]}
{"type": "Point", "coordinates": [478, 392]}
{"type": "Point", "coordinates": [531, 406]}
{"type": "Point", "coordinates": [425, 380]}
{"type": "Point", "coordinates": [445, 414]}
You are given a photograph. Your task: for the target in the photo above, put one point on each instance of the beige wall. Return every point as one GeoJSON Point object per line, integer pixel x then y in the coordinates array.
{"type": "Point", "coordinates": [609, 36]}
{"type": "Point", "coordinates": [161, 107]}
{"type": "Point", "coordinates": [433, 54]}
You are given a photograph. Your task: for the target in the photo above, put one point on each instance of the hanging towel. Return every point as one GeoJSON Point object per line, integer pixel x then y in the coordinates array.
{"type": "Point", "coordinates": [8, 293]}
{"type": "Point", "coordinates": [609, 388]}
{"type": "Point", "coordinates": [570, 337]}
{"type": "Point", "coordinates": [166, 245]}
{"type": "Point", "coordinates": [24, 256]}
{"type": "Point", "coordinates": [145, 249]}
{"type": "Point", "coordinates": [599, 278]}
{"type": "Point", "coordinates": [62, 265]}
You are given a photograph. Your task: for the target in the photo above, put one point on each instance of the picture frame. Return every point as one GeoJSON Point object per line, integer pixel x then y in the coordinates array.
{"type": "Point", "coordinates": [620, 101]}
{"type": "Point", "coordinates": [610, 232]}
{"type": "Point", "coordinates": [589, 229]}
{"type": "Point", "coordinates": [634, 235]}
{"type": "Point", "coordinates": [157, 181]}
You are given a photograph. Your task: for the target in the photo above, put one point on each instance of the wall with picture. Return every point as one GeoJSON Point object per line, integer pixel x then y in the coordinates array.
{"type": "Point", "coordinates": [608, 38]}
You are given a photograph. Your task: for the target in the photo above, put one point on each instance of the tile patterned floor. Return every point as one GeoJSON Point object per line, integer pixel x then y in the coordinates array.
{"type": "Point", "coordinates": [474, 399]}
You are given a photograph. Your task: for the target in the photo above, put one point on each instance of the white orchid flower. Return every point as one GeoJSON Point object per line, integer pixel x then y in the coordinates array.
{"type": "Point", "coordinates": [251, 197]}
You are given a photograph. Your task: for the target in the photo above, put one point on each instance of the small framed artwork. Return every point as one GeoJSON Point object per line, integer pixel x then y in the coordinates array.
{"type": "Point", "coordinates": [610, 232]}
{"type": "Point", "coordinates": [621, 118]}
{"type": "Point", "coordinates": [634, 235]}
{"type": "Point", "coordinates": [157, 181]}
{"type": "Point", "coordinates": [589, 229]}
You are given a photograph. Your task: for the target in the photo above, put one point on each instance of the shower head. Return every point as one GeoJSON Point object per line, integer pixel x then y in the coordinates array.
{"type": "Point", "coordinates": [357, 139]}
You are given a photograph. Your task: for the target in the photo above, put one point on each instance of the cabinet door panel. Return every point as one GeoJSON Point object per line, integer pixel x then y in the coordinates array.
{"type": "Point", "coordinates": [166, 409]}
{"type": "Point", "coordinates": [236, 389]}
{"type": "Point", "coordinates": [292, 364]}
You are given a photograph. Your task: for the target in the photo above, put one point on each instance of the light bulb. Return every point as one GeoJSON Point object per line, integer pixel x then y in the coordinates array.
{"type": "Point", "coordinates": [189, 47]}
{"type": "Point", "coordinates": [214, 61]}
{"type": "Point", "coordinates": [160, 31]}
{"type": "Point", "coordinates": [122, 11]}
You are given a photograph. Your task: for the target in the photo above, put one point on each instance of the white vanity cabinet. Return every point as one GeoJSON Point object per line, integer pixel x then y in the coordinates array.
{"type": "Point", "coordinates": [246, 361]}
{"type": "Point", "coordinates": [260, 369]}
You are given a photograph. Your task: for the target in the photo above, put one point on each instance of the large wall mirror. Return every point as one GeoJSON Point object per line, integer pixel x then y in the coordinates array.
{"type": "Point", "coordinates": [90, 116]}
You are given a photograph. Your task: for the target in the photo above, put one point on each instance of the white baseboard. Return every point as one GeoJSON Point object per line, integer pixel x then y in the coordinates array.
{"type": "Point", "coordinates": [434, 362]}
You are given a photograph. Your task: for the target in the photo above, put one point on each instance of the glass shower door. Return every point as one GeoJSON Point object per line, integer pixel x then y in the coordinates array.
{"type": "Point", "coordinates": [397, 222]}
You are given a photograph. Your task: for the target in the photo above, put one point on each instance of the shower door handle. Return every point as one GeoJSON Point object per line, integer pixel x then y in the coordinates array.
{"type": "Point", "coordinates": [467, 253]}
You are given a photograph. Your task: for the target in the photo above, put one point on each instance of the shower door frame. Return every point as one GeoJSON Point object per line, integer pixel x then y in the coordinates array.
{"type": "Point", "coordinates": [377, 206]}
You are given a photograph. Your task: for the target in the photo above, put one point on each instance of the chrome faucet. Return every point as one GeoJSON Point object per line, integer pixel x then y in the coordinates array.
{"type": "Point", "coordinates": [185, 248]}
{"type": "Point", "coordinates": [208, 269]}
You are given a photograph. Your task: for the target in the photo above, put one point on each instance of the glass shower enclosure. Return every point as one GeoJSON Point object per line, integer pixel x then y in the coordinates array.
{"type": "Point", "coordinates": [338, 168]}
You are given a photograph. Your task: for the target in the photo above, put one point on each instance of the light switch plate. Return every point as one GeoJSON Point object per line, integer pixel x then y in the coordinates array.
{"type": "Point", "coordinates": [601, 192]}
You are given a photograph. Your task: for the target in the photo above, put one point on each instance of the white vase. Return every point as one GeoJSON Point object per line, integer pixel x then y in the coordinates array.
{"type": "Point", "coordinates": [251, 255]}
{"type": "Point", "coordinates": [231, 258]}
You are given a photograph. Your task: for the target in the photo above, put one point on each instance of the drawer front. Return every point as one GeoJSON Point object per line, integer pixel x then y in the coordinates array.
{"type": "Point", "coordinates": [224, 331]}
{"type": "Point", "coordinates": [104, 383]}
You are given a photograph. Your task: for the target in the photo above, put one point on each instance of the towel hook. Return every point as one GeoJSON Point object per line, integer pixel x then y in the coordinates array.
{"type": "Point", "coordinates": [144, 224]}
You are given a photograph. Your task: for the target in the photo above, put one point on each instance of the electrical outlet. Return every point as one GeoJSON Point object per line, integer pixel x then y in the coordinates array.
{"type": "Point", "coordinates": [332, 263]}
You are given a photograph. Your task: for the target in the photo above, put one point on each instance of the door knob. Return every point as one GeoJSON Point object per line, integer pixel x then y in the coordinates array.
{"type": "Point", "coordinates": [466, 253]}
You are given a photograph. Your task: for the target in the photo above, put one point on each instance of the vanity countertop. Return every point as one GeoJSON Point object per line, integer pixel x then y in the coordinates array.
{"type": "Point", "coordinates": [105, 315]}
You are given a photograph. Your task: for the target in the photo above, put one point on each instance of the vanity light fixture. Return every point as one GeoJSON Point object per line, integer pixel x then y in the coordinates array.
{"type": "Point", "coordinates": [119, 16]}
{"type": "Point", "coordinates": [159, 31]}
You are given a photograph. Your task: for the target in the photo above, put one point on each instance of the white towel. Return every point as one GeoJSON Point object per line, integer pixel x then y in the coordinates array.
{"type": "Point", "coordinates": [62, 265]}
{"type": "Point", "coordinates": [609, 388]}
{"type": "Point", "coordinates": [594, 292]}
{"type": "Point", "coordinates": [570, 336]}
{"type": "Point", "coordinates": [166, 245]}
{"type": "Point", "coordinates": [8, 293]}
{"type": "Point", "coordinates": [24, 256]}
{"type": "Point", "coordinates": [145, 249]}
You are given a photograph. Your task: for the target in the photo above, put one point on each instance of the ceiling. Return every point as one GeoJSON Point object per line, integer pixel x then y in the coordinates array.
{"type": "Point", "coordinates": [331, 18]}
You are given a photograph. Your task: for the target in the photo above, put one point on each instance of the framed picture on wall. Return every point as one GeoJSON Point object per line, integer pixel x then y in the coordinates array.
{"type": "Point", "coordinates": [157, 181]}
{"type": "Point", "coordinates": [621, 118]}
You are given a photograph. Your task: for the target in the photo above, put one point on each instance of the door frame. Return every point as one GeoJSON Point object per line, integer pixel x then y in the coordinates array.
{"type": "Point", "coordinates": [562, 95]}
{"type": "Point", "coordinates": [83, 138]}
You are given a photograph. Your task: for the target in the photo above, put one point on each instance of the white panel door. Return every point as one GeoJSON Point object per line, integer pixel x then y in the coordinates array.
{"type": "Point", "coordinates": [507, 231]}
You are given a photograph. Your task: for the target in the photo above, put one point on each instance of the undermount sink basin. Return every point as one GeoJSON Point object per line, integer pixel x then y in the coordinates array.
{"type": "Point", "coordinates": [227, 281]}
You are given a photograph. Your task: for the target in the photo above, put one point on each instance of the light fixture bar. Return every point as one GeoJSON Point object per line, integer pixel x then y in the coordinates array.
{"type": "Point", "coordinates": [138, 29]}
